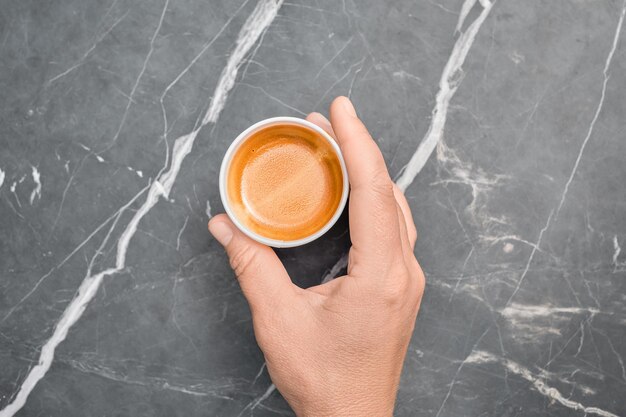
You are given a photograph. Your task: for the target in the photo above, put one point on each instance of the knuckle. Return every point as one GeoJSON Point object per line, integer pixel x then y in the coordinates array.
{"type": "Point", "coordinates": [398, 287]}
{"type": "Point", "coordinates": [242, 260]}
{"type": "Point", "coordinates": [381, 184]}
{"type": "Point", "coordinates": [394, 293]}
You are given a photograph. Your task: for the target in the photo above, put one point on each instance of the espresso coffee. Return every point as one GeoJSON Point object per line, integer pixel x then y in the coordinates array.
{"type": "Point", "coordinates": [284, 182]}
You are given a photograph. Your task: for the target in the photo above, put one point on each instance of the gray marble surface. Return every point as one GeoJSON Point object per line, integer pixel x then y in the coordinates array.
{"type": "Point", "coordinates": [503, 120]}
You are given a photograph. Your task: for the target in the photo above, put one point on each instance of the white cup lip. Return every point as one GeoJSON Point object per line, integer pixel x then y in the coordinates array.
{"type": "Point", "coordinates": [243, 136]}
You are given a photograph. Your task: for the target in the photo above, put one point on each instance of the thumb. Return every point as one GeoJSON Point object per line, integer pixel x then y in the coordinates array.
{"type": "Point", "coordinates": [262, 277]}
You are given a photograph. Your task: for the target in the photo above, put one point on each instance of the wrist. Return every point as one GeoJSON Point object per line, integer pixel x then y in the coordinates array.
{"type": "Point", "coordinates": [350, 407]}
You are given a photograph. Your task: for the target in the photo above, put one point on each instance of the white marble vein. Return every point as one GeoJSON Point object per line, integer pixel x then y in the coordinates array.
{"type": "Point", "coordinates": [617, 355]}
{"type": "Point", "coordinates": [204, 48]}
{"type": "Point", "coordinates": [180, 233]}
{"type": "Point", "coordinates": [465, 9]}
{"type": "Point", "coordinates": [115, 215]}
{"type": "Point", "coordinates": [70, 316]}
{"type": "Point", "coordinates": [349, 71]}
{"type": "Point", "coordinates": [605, 73]}
{"type": "Point", "coordinates": [197, 388]}
{"type": "Point", "coordinates": [334, 271]}
{"type": "Point", "coordinates": [261, 17]}
{"type": "Point", "coordinates": [457, 373]}
{"type": "Point", "coordinates": [195, 59]}
{"type": "Point", "coordinates": [618, 250]}
{"type": "Point", "coordinates": [532, 322]}
{"type": "Point", "coordinates": [617, 265]}
{"type": "Point", "coordinates": [348, 42]}
{"type": "Point", "coordinates": [508, 247]}
{"type": "Point", "coordinates": [257, 401]}
{"type": "Point", "coordinates": [138, 172]}
{"type": "Point", "coordinates": [274, 98]}
{"type": "Point", "coordinates": [554, 213]}
{"type": "Point", "coordinates": [448, 84]}
{"type": "Point", "coordinates": [535, 247]}
{"type": "Point", "coordinates": [479, 181]}
{"type": "Point", "coordinates": [482, 357]}
{"type": "Point", "coordinates": [141, 72]}
{"type": "Point", "coordinates": [37, 190]}
{"type": "Point", "coordinates": [17, 198]}
{"type": "Point", "coordinates": [208, 209]}
{"type": "Point", "coordinates": [440, 6]}
{"type": "Point", "coordinates": [523, 311]}
{"type": "Point", "coordinates": [84, 57]}
{"type": "Point", "coordinates": [258, 374]}
{"type": "Point", "coordinates": [66, 189]}
{"type": "Point", "coordinates": [582, 339]}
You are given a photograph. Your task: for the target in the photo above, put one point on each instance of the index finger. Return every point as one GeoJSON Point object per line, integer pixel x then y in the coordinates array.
{"type": "Point", "coordinates": [373, 215]}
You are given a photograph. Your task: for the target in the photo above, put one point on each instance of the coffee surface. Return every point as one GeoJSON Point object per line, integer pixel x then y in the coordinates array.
{"type": "Point", "coordinates": [285, 182]}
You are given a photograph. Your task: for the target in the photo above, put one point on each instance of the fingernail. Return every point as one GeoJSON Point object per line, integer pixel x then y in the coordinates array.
{"type": "Point", "coordinates": [221, 231]}
{"type": "Point", "coordinates": [347, 105]}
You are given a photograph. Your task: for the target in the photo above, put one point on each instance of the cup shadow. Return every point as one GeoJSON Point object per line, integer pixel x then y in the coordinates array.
{"type": "Point", "coordinates": [308, 264]}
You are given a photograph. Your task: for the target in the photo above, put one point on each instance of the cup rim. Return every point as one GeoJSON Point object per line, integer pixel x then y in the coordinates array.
{"type": "Point", "coordinates": [242, 137]}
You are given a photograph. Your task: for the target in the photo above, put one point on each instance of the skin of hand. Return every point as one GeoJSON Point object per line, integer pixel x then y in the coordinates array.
{"type": "Point", "coordinates": [337, 349]}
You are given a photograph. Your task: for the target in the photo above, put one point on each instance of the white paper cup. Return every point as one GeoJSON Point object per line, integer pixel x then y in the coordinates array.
{"type": "Point", "coordinates": [245, 135]}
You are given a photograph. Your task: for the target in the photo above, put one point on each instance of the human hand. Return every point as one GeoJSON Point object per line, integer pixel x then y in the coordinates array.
{"type": "Point", "coordinates": [337, 349]}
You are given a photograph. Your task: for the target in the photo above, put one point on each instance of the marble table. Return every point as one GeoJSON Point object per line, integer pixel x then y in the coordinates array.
{"type": "Point", "coordinates": [502, 119]}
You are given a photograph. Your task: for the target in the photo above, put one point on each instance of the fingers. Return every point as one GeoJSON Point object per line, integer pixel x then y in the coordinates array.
{"type": "Point", "coordinates": [321, 121]}
{"type": "Point", "coordinates": [406, 215]}
{"type": "Point", "coordinates": [262, 277]}
{"type": "Point", "coordinates": [324, 123]}
{"type": "Point", "coordinates": [373, 215]}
